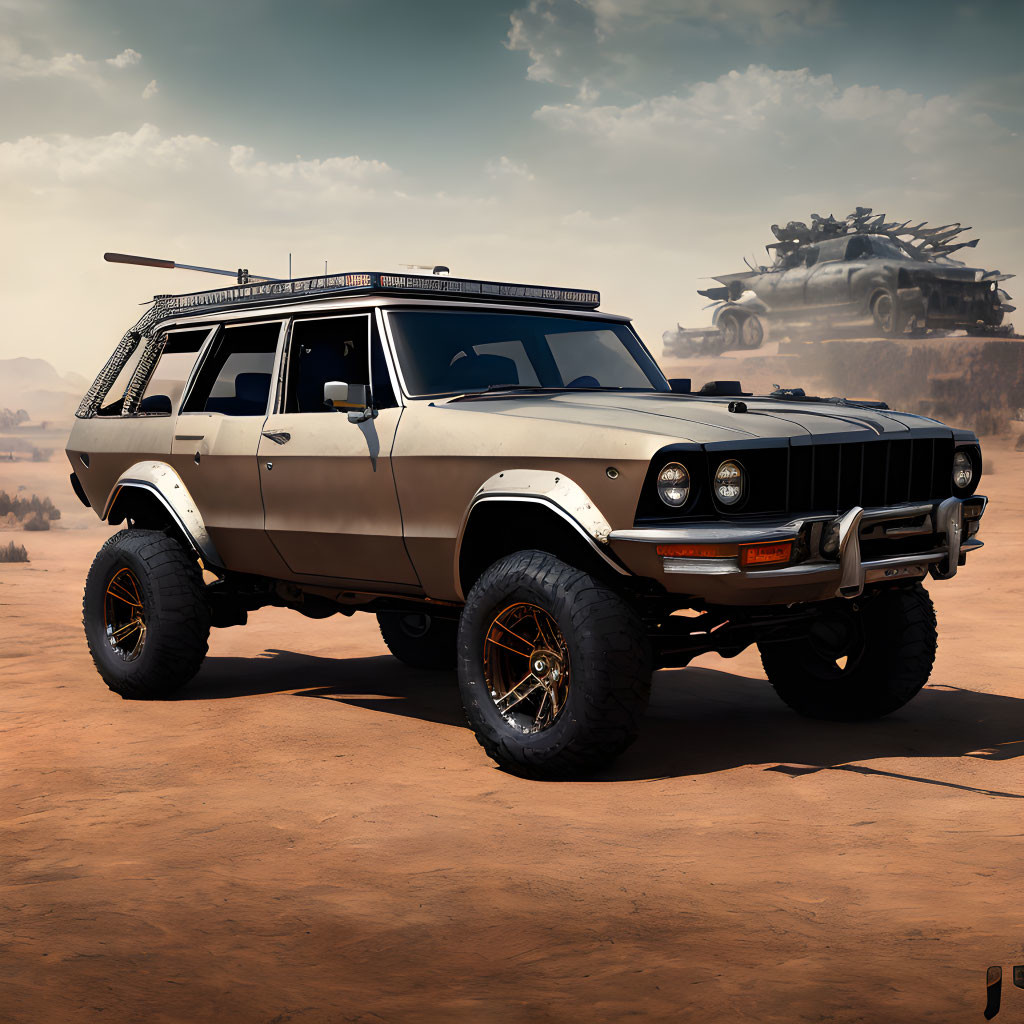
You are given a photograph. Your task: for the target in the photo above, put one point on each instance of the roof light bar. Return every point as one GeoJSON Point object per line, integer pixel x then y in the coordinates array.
{"type": "Point", "coordinates": [375, 281]}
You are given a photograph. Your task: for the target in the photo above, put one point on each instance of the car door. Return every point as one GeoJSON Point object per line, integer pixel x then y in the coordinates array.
{"type": "Point", "coordinates": [328, 489]}
{"type": "Point", "coordinates": [216, 441]}
{"type": "Point", "coordinates": [829, 283]}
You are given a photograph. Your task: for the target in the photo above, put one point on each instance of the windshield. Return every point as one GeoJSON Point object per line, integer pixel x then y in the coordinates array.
{"type": "Point", "coordinates": [450, 352]}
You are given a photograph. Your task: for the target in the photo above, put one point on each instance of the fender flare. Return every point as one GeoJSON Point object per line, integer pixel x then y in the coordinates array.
{"type": "Point", "coordinates": [555, 491]}
{"type": "Point", "coordinates": [161, 481]}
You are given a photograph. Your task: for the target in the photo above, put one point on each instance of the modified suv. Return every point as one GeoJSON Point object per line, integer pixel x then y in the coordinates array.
{"type": "Point", "coordinates": [504, 477]}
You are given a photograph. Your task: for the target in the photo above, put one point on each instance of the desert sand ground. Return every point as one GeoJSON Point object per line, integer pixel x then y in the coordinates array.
{"type": "Point", "coordinates": [310, 833]}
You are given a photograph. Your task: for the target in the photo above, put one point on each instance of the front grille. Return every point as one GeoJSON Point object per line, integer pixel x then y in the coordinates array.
{"type": "Point", "coordinates": [835, 477]}
{"type": "Point", "coordinates": [808, 479]}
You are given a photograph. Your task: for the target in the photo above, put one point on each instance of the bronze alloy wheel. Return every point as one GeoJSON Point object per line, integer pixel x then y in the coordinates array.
{"type": "Point", "coordinates": [124, 615]}
{"type": "Point", "coordinates": [526, 667]}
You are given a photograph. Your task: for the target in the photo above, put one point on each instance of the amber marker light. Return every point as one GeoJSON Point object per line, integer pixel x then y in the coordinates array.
{"type": "Point", "coordinates": [765, 554]}
{"type": "Point", "coordinates": [698, 550]}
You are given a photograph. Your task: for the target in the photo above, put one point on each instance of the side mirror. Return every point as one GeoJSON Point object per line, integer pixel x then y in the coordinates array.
{"type": "Point", "coordinates": [680, 385]}
{"type": "Point", "coordinates": [350, 398]}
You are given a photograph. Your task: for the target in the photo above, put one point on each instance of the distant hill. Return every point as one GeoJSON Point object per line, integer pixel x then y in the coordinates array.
{"type": "Point", "coordinates": [36, 386]}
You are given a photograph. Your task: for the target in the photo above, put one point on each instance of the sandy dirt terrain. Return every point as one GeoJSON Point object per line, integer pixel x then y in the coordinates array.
{"type": "Point", "coordinates": [310, 834]}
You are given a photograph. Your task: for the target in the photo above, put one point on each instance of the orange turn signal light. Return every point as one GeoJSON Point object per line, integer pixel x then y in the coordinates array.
{"type": "Point", "coordinates": [766, 554]}
{"type": "Point", "coordinates": [749, 554]}
{"type": "Point", "coordinates": [698, 550]}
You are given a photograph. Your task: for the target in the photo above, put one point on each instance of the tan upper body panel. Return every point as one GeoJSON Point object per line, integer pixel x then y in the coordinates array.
{"type": "Point", "coordinates": [445, 450]}
{"type": "Point", "coordinates": [415, 473]}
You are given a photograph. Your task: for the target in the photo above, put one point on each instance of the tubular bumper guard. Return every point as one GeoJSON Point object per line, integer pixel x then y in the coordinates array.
{"type": "Point", "coordinates": [952, 522]}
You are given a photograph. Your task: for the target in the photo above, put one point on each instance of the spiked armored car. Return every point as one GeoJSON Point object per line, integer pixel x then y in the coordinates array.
{"type": "Point", "coordinates": [504, 477]}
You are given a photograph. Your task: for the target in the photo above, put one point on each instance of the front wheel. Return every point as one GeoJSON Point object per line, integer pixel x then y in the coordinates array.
{"type": "Point", "coordinates": [859, 660]}
{"type": "Point", "coordinates": [887, 315]}
{"type": "Point", "coordinates": [145, 614]}
{"type": "Point", "coordinates": [554, 667]}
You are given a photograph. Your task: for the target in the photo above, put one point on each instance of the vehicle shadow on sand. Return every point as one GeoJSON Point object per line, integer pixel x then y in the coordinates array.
{"type": "Point", "coordinates": [700, 720]}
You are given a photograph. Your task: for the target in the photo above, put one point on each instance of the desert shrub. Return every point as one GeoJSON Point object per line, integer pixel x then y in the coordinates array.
{"type": "Point", "coordinates": [35, 522]}
{"type": "Point", "coordinates": [35, 509]}
{"type": "Point", "coordinates": [10, 419]}
{"type": "Point", "coordinates": [13, 553]}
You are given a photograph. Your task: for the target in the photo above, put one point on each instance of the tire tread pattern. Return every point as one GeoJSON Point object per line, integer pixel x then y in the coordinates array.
{"type": "Point", "coordinates": [611, 666]}
{"type": "Point", "coordinates": [901, 652]}
{"type": "Point", "coordinates": [178, 621]}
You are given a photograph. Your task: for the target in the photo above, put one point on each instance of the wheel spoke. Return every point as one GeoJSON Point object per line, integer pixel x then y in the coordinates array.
{"type": "Point", "coordinates": [120, 593]}
{"type": "Point", "coordinates": [544, 697]}
{"type": "Point", "coordinates": [491, 640]}
{"type": "Point", "coordinates": [124, 614]}
{"type": "Point", "coordinates": [542, 635]}
{"type": "Point", "coordinates": [530, 703]}
{"type": "Point", "coordinates": [522, 639]}
{"type": "Point", "coordinates": [128, 627]}
{"type": "Point", "coordinates": [514, 698]}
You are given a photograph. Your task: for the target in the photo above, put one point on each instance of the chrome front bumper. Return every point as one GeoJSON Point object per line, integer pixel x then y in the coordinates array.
{"type": "Point", "coordinates": [818, 577]}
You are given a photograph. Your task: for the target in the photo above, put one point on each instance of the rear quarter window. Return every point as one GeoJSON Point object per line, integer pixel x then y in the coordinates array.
{"type": "Point", "coordinates": [167, 381]}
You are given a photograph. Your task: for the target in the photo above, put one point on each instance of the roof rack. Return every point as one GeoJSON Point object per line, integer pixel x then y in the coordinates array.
{"type": "Point", "coordinates": [377, 282]}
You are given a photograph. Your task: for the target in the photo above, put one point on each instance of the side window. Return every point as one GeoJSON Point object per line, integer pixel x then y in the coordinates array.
{"type": "Point", "coordinates": [334, 348]}
{"type": "Point", "coordinates": [235, 377]}
{"type": "Point", "coordinates": [167, 382]}
{"type": "Point", "coordinates": [857, 247]}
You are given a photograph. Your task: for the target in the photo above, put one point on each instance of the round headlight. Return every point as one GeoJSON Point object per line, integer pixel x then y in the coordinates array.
{"type": "Point", "coordinates": [674, 485]}
{"type": "Point", "coordinates": [963, 471]}
{"type": "Point", "coordinates": [729, 483]}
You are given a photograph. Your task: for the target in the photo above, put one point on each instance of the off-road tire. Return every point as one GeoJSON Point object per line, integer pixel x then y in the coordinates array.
{"type": "Point", "coordinates": [176, 614]}
{"type": "Point", "coordinates": [752, 332]}
{"type": "Point", "coordinates": [887, 314]}
{"type": "Point", "coordinates": [731, 332]}
{"type": "Point", "coordinates": [610, 659]}
{"type": "Point", "coordinates": [896, 653]}
{"type": "Point", "coordinates": [429, 645]}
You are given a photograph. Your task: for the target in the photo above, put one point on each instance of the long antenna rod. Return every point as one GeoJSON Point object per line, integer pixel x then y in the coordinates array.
{"type": "Point", "coordinates": [242, 275]}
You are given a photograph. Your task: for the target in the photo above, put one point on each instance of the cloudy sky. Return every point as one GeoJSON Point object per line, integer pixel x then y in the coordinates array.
{"type": "Point", "coordinates": [633, 146]}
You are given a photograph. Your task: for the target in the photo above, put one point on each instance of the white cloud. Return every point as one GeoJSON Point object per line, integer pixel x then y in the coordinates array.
{"type": "Point", "coordinates": [15, 63]}
{"type": "Point", "coordinates": [151, 90]}
{"type": "Point", "coordinates": [576, 43]}
{"type": "Point", "coordinates": [332, 177]}
{"type": "Point", "coordinates": [767, 111]}
{"type": "Point", "coordinates": [59, 159]}
{"type": "Point", "coordinates": [505, 167]}
{"type": "Point", "coordinates": [125, 59]}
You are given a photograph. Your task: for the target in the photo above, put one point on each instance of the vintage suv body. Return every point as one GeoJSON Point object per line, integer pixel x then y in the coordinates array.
{"type": "Point", "coordinates": [504, 476]}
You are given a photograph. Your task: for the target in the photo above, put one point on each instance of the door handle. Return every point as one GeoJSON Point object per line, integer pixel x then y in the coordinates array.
{"type": "Point", "coordinates": [189, 437]}
{"type": "Point", "coordinates": [277, 436]}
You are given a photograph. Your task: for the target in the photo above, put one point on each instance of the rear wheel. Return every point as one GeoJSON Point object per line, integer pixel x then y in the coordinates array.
{"type": "Point", "coordinates": [752, 332]}
{"type": "Point", "coordinates": [145, 614]}
{"type": "Point", "coordinates": [554, 667]}
{"type": "Point", "coordinates": [729, 325]}
{"type": "Point", "coordinates": [859, 660]}
{"type": "Point", "coordinates": [419, 640]}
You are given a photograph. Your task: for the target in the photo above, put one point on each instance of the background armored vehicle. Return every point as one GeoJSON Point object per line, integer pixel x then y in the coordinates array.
{"type": "Point", "coordinates": [502, 474]}
{"type": "Point", "coordinates": [887, 276]}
